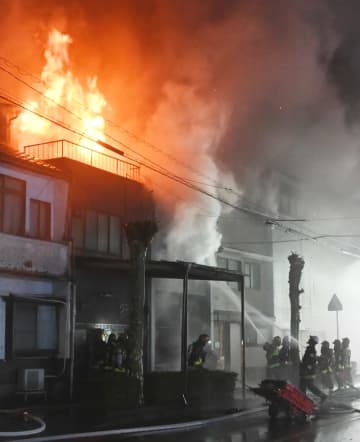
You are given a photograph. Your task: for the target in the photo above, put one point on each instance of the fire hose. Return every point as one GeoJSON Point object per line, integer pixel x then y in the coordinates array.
{"type": "Point", "coordinates": [26, 416]}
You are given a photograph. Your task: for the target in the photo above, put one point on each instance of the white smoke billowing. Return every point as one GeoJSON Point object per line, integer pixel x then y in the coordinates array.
{"type": "Point", "coordinates": [233, 90]}
{"type": "Point", "coordinates": [192, 134]}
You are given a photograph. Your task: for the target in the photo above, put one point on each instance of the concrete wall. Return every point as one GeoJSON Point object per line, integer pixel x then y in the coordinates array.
{"type": "Point", "coordinates": [21, 254]}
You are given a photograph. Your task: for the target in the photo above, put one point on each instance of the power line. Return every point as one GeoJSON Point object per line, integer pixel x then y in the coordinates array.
{"type": "Point", "coordinates": [161, 170]}
{"type": "Point", "coordinates": [252, 207]}
{"type": "Point", "coordinates": [155, 167]}
{"type": "Point", "coordinates": [135, 136]}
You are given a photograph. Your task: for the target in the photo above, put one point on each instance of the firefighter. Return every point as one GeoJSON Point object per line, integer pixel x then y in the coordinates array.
{"type": "Point", "coordinates": [197, 351]}
{"type": "Point", "coordinates": [267, 347]}
{"type": "Point", "coordinates": [274, 358]}
{"type": "Point", "coordinates": [110, 352]}
{"type": "Point", "coordinates": [338, 364]}
{"type": "Point", "coordinates": [121, 353]}
{"type": "Point", "coordinates": [346, 358]}
{"type": "Point", "coordinates": [326, 362]}
{"type": "Point", "coordinates": [308, 369]}
{"type": "Point", "coordinates": [285, 359]}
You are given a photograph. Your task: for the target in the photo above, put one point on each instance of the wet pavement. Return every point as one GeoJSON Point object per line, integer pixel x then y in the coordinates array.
{"type": "Point", "coordinates": [258, 427]}
{"type": "Point", "coordinates": [337, 421]}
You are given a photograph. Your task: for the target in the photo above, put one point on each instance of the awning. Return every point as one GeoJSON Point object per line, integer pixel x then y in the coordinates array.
{"type": "Point", "coordinates": [162, 269]}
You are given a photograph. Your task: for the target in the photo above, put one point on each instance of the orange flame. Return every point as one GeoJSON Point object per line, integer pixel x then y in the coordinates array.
{"type": "Point", "coordinates": [63, 93]}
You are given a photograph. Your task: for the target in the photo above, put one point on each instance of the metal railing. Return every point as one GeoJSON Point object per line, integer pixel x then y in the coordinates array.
{"type": "Point", "coordinates": [73, 151]}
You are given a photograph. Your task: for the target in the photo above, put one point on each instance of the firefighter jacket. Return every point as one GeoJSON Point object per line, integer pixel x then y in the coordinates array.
{"type": "Point", "coordinates": [338, 359]}
{"type": "Point", "coordinates": [308, 363]}
{"type": "Point", "coordinates": [273, 357]}
{"type": "Point", "coordinates": [284, 355]}
{"type": "Point", "coordinates": [196, 354]}
{"type": "Point", "coordinates": [326, 360]}
{"type": "Point", "coordinates": [346, 357]}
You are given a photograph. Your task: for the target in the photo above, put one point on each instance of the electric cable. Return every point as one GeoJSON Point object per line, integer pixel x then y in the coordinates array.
{"type": "Point", "coordinates": [156, 167]}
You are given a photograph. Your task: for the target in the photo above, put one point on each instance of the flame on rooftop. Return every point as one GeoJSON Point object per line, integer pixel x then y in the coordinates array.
{"type": "Point", "coordinates": [65, 100]}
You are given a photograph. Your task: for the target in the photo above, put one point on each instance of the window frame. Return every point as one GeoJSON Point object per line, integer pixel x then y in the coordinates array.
{"type": "Point", "coordinates": [235, 285]}
{"type": "Point", "coordinates": [9, 191]}
{"type": "Point", "coordinates": [40, 203]}
{"type": "Point", "coordinates": [81, 217]}
{"type": "Point", "coordinates": [10, 351]}
{"type": "Point", "coordinates": [251, 280]}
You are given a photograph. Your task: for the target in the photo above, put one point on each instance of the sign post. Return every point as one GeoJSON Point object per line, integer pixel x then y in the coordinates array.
{"type": "Point", "coordinates": [335, 306]}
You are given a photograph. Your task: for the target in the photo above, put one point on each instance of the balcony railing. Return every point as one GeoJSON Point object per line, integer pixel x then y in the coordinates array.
{"type": "Point", "coordinates": [73, 151]}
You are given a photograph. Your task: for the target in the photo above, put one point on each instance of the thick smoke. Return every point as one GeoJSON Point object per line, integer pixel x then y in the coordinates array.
{"type": "Point", "coordinates": [274, 81]}
{"type": "Point", "coordinates": [228, 88]}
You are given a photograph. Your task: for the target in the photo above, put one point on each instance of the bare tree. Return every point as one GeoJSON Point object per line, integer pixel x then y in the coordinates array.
{"type": "Point", "coordinates": [139, 235]}
{"type": "Point", "coordinates": [296, 267]}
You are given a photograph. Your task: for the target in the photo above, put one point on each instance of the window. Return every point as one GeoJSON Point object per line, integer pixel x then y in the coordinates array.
{"type": "Point", "coordinates": [222, 262]}
{"type": "Point", "coordinates": [230, 264]}
{"type": "Point", "coordinates": [235, 266]}
{"type": "Point", "coordinates": [33, 328]}
{"type": "Point", "coordinates": [115, 236]}
{"type": "Point", "coordinates": [252, 275]}
{"type": "Point", "coordinates": [77, 229]}
{"type": "Point", "coordinates": [40, 219]}
{"type": "Point", "coordinates": [98, 232]}
{"type": "Point", "coordinates": [12, 205]}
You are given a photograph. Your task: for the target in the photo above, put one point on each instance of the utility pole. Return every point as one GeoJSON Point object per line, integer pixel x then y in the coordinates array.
{"type": "Point", "coordinates": [139, 235]}
{"type": "Point", "coordinates": [296, 267]}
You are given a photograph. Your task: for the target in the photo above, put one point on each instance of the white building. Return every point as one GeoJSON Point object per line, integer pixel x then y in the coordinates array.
{"type": "Point", "coordinates": [35, 292]}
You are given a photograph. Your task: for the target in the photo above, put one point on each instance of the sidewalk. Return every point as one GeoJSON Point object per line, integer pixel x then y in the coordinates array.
{"type": "Point", "coordinates": [64, 419]}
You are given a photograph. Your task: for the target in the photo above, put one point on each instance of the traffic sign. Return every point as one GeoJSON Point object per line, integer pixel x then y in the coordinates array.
{"type": "Point", "coordinates": [335, 304]}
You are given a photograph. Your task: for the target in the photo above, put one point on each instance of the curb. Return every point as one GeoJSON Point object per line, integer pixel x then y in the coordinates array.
{"type": "Point", "coordinates": [146, 430]}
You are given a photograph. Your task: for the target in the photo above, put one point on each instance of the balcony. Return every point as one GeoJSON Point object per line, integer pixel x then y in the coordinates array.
{"type": "Point", "coordinates": [73, 151]}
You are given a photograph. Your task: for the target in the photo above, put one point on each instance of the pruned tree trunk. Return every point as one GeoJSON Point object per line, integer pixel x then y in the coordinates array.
{"type": "Point", "coordinates": [139, 235]}
{"type": "Point", "coordinates": [296, 267]}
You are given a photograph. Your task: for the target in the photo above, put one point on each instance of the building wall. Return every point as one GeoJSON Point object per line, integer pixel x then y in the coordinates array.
{"type": "Point", "coordinates": [103, 296]}
{"type": "Point", "coordinates": [21, 254]}
{"type": "Point", "coordinates": [48, 189]}
{"type": "Point", "coordinates": [102, 191]}
{"type": "Point", "coordinates": [247, 248]}
{"type": "Point", "coordinates": [34, 268]}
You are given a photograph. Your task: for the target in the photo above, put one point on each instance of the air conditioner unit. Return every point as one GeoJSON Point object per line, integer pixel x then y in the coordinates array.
{"type": "Point", "coordinates": [31, 379]}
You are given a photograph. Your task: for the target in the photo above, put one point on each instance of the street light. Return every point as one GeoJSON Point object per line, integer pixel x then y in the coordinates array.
{"type": "Point", "coordinates": [335, 306]}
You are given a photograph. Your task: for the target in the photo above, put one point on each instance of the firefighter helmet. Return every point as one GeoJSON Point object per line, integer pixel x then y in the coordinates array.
{"type": "Point", "coordinates": [276, 340]}
{"type": "Point", "coordinates": [325, 344]}
{"type": "Point", "coordinates": [313, 340]}
{"type": "Point", "coordinates": [286, 340]}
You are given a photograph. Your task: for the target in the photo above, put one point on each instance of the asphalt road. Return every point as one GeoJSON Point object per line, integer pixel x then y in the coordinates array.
{"type": "Point", "coordinates": [258, 427]}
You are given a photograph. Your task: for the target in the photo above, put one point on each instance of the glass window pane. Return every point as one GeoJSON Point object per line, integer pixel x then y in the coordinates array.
{"type": "Point", "coordinates": [13, 221]}
{"type": "Point", "coordinates": [25, 326]}
{"type": "Point", "coordinates": [14, 183]}
{"type": "Point", "coordinates": [91, 231]}
{"type": "Point", "coordinates": [233, 264]}
{"type": "Point", "coordinates": [222, 262]}
{"type": "Point", "coordinates": [256, 276]}
{"type": "Point", "coordinates": [115, 235]}
{"type": "Point", "coordinates": [45, 220]}
{"type": "Point", "coordinates": [103, 233]}
{"type": "Point", "coordinates": [46, 327]}
{"type": "Point", "coordinates": [77, 231]}
{"type": "Point", "coordinates": [34, 218]}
